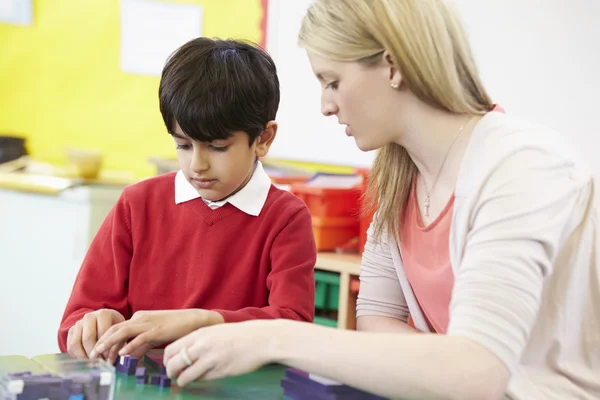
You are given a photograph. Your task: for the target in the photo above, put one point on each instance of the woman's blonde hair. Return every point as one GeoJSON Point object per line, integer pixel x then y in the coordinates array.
{"type": "Point", "coordinates": [429, 46]}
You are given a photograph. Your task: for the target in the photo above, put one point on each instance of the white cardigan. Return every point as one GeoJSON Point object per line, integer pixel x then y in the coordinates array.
{"type": "Point", "coordinates": [524, 247]}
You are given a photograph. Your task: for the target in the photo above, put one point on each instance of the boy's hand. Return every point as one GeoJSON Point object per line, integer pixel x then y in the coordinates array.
{"type": "Point", "coordinates": [83, 335]}
{"type": "Point", "coordinates": [149, 329]}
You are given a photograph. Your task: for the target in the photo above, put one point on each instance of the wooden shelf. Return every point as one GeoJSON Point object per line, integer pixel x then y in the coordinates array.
{"type": "Point", "coordinates": [346, 265]}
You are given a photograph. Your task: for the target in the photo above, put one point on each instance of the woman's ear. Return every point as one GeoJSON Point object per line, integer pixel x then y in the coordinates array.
{"type": "Point", "coordinates": [392, 70]}
{"type": "Point", "coordinates": [264, 141]}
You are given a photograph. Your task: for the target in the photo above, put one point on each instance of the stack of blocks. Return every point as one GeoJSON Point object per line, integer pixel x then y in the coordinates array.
{"type": "Point", "coordinates": [27, 386]}
{"type": "Point", "coordinates": [299, 385]}
{"type": "Point", "coordinates": [128, 366]}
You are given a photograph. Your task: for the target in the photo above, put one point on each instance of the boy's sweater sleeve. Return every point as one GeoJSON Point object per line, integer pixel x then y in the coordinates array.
{"type": "Point", "coordinates": [103, 276]}
{"type": "Point", "coordinates": [291, 282]}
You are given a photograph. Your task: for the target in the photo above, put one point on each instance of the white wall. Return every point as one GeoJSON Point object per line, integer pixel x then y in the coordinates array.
{"type": "Point", "coordinates": [304, 134]}
{"type": "Point", "coordinates": [540, 59]}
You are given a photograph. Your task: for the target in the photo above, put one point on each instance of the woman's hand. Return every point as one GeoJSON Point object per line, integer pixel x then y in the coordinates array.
{"type": "Point", "coordinates": [220, 351]}
{"type": "Point", "coordinates": [148, 329]}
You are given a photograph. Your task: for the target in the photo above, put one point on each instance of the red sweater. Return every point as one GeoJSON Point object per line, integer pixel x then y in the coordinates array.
{"type": "Point", "coordinates": [153, 254]}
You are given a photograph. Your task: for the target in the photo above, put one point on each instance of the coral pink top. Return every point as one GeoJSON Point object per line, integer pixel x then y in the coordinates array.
{"type": "Point", "coordinates": [426, 259]}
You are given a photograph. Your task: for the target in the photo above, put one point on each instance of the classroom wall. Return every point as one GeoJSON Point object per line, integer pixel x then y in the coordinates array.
{"type": "Point", "coordinates": [538, 59]}
{"type": "Point", "coordinates": [61, 85]}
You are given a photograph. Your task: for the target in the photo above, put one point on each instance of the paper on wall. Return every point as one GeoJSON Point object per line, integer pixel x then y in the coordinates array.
{"type": "Point", "coordinates": [152, 30]}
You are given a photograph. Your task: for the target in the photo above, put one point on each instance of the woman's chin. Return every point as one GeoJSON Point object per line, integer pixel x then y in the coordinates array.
{"type": "Point", "coordinates": [365, 146]}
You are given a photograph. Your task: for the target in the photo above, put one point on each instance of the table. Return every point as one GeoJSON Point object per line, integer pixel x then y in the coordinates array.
{"type": "Point", "coordinates": [263, 384]}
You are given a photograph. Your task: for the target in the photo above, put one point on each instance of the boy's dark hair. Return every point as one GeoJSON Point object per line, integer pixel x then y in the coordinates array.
{"type": "Point", "coordinates": [213, 88]}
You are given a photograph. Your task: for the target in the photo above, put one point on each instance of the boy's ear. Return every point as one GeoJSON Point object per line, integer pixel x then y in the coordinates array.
{"type": "Point", "coordinates": [264, 141]}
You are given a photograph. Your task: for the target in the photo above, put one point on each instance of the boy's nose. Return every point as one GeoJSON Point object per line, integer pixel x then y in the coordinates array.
{"type": "Point", "coordinates": [199, 163]}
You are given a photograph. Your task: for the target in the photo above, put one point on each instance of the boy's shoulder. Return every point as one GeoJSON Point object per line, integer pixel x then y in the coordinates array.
{"type": "Point", "coordinates": [283, 202]}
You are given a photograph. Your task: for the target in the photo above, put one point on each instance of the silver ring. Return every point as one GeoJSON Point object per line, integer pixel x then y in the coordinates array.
{"type": "Point", "coordinates": [185, 357]}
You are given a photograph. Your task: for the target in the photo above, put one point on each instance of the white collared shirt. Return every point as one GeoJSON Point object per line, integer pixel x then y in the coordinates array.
{"type": "Point", "coordinates": [249, 199]}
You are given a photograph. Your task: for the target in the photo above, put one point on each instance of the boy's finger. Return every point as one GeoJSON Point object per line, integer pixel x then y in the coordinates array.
{"type": "Point", "coordinates": [114, 353]}
{"type": "Point", "coordinates": [103, 324]}
{"type": "Point", "coordinates": [119, 334]}
{"type": "Point", "coordinates": [89, 334]}
{"type": "Point", "coordinates": [74, 346]}
{"type": "Point", "coordinates": [139, 344]}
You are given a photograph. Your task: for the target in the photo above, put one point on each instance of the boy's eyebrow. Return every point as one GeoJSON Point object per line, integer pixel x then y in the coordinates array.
{"type": "Point", "coordinates": [178, 136]}
{"type": "Point", "coordinates": [182, 137]}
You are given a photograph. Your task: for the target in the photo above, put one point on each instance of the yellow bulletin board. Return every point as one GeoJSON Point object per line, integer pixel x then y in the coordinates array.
{"type": "Point", "coordinates": [61, 84]}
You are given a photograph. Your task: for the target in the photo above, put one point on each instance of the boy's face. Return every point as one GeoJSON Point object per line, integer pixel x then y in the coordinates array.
{"type": "Point", "coordinates": [220, 168]}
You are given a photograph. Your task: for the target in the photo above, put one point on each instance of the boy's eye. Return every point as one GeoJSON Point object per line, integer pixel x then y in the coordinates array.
{"type": "Point", "coordinates": [183, 146]}
{"type": "Point", "coordinates": [218, 148]}
{"type": "Point", "coordinates": [332, 85]}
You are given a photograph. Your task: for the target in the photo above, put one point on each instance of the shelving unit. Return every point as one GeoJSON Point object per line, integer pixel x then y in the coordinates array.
{"type": "Point", "coordinates": [347, 265]}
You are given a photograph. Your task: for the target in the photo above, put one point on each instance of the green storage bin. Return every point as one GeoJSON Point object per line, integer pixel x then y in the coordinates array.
{"type": "Point", "coordinates": [327, 290]}
{"type": "Point", "coordinates": [320, 295]}
{"type": "Point", "coordinates": [326, 322]}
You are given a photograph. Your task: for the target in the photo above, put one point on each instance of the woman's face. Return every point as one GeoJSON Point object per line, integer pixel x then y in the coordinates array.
{"type": "Point", "coordinates": [361, 97]}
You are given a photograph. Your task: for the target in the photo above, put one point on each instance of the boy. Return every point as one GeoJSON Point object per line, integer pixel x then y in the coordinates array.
{"type": "Point", "coordinates": [213, 243]}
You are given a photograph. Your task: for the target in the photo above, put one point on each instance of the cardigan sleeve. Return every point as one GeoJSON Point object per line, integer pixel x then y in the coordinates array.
{"type": "Point", "coordinates": [527, 210]}
{"type": "Point", "coordinates": [380, 292]}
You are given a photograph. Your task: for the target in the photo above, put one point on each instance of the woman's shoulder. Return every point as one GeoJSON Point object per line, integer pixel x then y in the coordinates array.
{"type": "Point", "coordinates": [504, 144]}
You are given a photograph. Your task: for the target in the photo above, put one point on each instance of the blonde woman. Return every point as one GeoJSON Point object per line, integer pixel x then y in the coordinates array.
{"type": "Point", "coordinates": [486, 233]}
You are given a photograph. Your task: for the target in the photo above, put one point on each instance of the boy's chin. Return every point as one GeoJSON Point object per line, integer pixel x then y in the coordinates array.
{"type": "Point", "coordinates": [211, 195]}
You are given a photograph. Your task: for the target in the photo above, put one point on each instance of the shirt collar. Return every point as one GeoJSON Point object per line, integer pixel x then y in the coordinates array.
{"type": "Point", "coordinates": [249, 199]}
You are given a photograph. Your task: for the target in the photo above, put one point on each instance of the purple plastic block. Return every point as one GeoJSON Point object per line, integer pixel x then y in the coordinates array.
{"type": "Point", "coordinates": [76, 389]}
{"type": "Point", "coordinates": [34, 394]}
{"type": "Point", "coordinates": [141, 375]}
{"type": "Point", "coordinates": [155, 361]}
{"type": "Point", "coordinates": [155, 379]}
{"type": "Point", "coordinates": [41, 387]}
{"type": "Point", "coordinates": [82, 378]}
{"type": "Point", "coordinates": [119, 367]}
{"type": "Point", "coordinates": [140, 372]}
{"type": "Point", "coordinates": [132, 361]}
{"type": "Point", "coordinates": [122, 364]}
{"type": "Point", "coordinates": [104, 392]}
{"type": "Point", "coordinates": [19, 375]}
{"type": "Point", "coordinates": [126, 364]}
{"type": "Point", "coordinates": [297, 391]}
{"type": "Point", "coordinates": [63, 391]}
{"type": "Point", "coordinates": [37, 376]}
{"type": "Point", "coordinates": [165, 381]}
{"type": "Point", "coordinates": [41, 380]}
{"type": "Point", "coordinates": [301, 382]}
